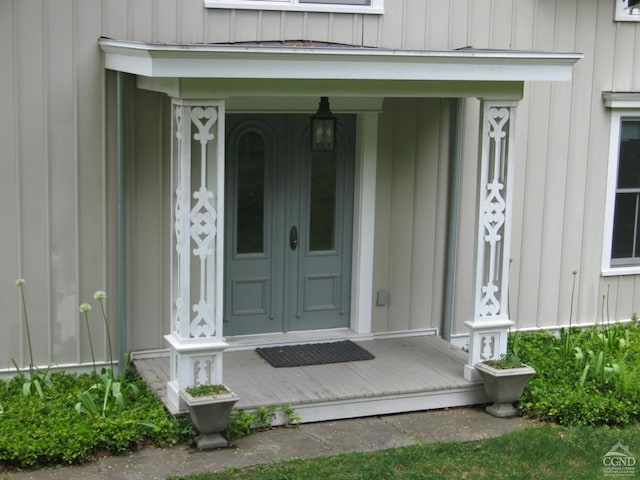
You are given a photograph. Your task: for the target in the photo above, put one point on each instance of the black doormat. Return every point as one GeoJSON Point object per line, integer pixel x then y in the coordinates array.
{"type": "Point", "coordinates": [314, 354]}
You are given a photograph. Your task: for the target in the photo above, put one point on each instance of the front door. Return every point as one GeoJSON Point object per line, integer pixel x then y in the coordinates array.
{"type": "Point", "coordinates": [289, 217]}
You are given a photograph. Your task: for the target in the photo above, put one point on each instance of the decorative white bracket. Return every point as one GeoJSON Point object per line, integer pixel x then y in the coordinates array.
{"type": "Point", "coordinates": [490, 324]}
{"type": "Point", "coordinates": [197, 163]}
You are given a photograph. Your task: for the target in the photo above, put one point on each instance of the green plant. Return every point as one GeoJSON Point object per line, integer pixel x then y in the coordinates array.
{"type": "Point", "coordinates": [608, 350]}
{"type": "Point", "coordinates": [598, 384]}
{"type": "Point", "coordinates": [242, 423]}
{"type": "Point", "coordinates": [264, 416]}
{"type": "Point", "coordinates": [292, 416]}
{"type": "Point", "coordinates": [100, 297]}
{"type": "Point", "coordinates": [3, 414]}
{"type": "Point", "coordinates": [110, 390]}
{"type": "Point", "coordinates": [206, 390]}
{"type": "Point", "coordinates": [506, 361]}
{"type": "Point", "coordinates": [33, 432]}
{"type": "Point", "coordinates": [573, 291]}
{"type": "Point", "coordinates": [85, 308]}
{"type": "Point", "coordinates": [38, 379]}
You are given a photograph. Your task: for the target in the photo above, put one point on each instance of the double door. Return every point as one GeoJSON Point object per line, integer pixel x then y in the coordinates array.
{"type": "Point", "coordinates": [288, 222]}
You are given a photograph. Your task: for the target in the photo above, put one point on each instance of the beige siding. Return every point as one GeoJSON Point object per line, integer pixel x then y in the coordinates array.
{"type": "Point", "coordinates": [148, 221]}
{"type": "Point", "coordinates": [9, 233]}
{"type": "Point", "coordinates": [53, 164]}
{"type": "Point", "coordinates": [561, 164]}
{"type": "Point", "coordinates": [410, 224]}
{"type": "Point", "coordinates": [58, 178]}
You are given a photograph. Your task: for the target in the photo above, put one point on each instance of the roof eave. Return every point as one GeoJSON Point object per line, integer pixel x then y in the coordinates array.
{"type": "Point", "coordinates": [342, 63]}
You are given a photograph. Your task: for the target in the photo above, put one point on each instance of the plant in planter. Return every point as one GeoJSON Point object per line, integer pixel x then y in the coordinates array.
{"type": "Point", "coordinates": [209, 407]}
{"type": "Point", "coordinates": [504, 381]}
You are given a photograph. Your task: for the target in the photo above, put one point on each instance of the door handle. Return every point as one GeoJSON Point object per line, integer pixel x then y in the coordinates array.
{"type": "Point", "coordinates": [293, 238]}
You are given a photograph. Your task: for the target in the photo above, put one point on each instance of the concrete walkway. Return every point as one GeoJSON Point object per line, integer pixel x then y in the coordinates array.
{"type": "Point", "coordinates": [307, 441]}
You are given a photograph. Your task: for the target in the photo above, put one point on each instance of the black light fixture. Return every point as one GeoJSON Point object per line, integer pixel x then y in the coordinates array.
{"type": "Point", "coordinates": [323, 128]}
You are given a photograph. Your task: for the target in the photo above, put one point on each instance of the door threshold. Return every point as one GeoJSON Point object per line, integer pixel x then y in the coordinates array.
{"type": "Point", "coordinates": [250, 342]}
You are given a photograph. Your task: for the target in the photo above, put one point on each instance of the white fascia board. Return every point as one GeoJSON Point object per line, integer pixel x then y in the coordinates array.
{"type": "Point", "coordinates": [299, 7]}
{"type": "Point", "coordinates": [215, 61]}
{"type": "Point", "coordinates": [618, 100]}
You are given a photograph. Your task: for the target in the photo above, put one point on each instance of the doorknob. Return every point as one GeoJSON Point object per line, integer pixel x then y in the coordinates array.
{"type": "Point", "coordinates": [293, 238]}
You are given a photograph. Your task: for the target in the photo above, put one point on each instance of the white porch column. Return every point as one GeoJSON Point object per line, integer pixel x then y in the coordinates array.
{"type": "Point", "coordinates": [490, 324]}
{"type": "Point", "coordinates": [197, 164]}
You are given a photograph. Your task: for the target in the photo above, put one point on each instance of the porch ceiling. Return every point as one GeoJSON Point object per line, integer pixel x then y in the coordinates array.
{"type": "Point", "coordinates": [305, 61]}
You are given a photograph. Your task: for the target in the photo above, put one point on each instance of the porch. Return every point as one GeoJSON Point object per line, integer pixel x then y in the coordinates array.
{"type": "Point", "coordinates": [408, 373]}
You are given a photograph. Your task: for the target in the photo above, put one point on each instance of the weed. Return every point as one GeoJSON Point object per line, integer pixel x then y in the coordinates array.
{"type": "Point", "coordinates": [242, 423]}
{"type": "Point", "coordinates": [264, 416]}
{"type": "Point", "coordinates": [292, 417]}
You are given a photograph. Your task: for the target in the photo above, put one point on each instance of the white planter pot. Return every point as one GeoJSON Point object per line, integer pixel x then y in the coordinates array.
{"type": "Point", "coordinates": [210, 416]}
{"type": "Point", "coordinates": [503, 387]}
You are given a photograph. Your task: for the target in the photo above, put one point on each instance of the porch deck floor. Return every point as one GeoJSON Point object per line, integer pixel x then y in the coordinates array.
{"type": "Point", "coordinates": [407, 374]}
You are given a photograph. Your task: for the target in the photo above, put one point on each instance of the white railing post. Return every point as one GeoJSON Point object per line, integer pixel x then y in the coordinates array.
{"type": "Point", "coordinates": [197, 165]}
{"type": "Point", "coordinates": [491, 323]}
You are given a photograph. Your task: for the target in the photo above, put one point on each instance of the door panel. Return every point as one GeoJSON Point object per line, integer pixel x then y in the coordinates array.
{"type": "Point", "coordinates": [289, 220]}
{"type": "Point", "coordinates": [251, 262]}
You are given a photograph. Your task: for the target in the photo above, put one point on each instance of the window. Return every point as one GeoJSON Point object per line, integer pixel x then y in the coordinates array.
{"type": "Point", "coordinates": [338, 6]}
{"type": "Point", "coordinates": [621, 246]}
{"type": "Point", "coordinates": [625, 242]}
{"type": "Point", "coordinates": [627, 10]}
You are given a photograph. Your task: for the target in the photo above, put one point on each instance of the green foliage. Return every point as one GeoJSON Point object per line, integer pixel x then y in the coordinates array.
{"type": "Point", "coordinates": [264, 417]}
{"type": "Point", "coordinates": [37, 381]}
{"type": "Point", "coordinates": [206, 390]}
{"type": "Point", "coordinates": [292, 417]}
{"type": "Point", "coordinates": [35, 432]}
{"type": "Point", "coordinates": [242, 423]}
{"type": "Point", "coordinates": [108, 393]}
{"type": "Point", "coordinates": [509, 360]}
{"type": "Point", "coordinates": [584, 377]}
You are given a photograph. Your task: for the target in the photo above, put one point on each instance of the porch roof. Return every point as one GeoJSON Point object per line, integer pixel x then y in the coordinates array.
{"type": "Point", "coordinates": [313, 61]}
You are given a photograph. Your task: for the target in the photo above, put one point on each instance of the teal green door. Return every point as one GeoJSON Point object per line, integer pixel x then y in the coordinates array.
{"type": "Point", "coordinates": [288, 222]}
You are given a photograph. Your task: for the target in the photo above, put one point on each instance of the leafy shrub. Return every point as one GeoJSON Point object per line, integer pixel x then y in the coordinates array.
{"type": "Point", "coordinates": [50, 431]}
{"type": "Point", "coordinates": [584, 377]}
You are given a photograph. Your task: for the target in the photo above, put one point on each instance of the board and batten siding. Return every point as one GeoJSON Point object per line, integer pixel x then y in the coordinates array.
{"type": "Point", "coordinates": [58, 177]}
{"type": "Point", "coordinates": [411, 209]}
{"type": "Point", "coordinates": [54, 200]}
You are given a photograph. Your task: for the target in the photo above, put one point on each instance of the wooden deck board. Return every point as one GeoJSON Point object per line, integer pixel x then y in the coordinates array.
{"type": "Point", "coordinates": [407, 373]}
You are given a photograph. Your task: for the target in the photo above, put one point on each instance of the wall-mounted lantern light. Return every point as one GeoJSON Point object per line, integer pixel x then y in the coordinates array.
{"type": "Point", "coordinates": [323, 128]}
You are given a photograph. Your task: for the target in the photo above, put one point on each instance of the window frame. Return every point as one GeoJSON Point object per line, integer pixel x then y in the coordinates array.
{"type": "Point", "coordinates": [376, 7]}
{"type": "Point", "coordinates": [621, 110]}
{"type": "Point", "coordinates": [624, 13]}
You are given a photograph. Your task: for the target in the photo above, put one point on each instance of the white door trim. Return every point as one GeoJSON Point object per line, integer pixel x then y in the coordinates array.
{"type": "Point", "coordinates": [364, 210]}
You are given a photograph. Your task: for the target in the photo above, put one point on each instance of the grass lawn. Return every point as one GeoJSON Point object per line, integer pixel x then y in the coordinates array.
{"type": "Point", "coordinates": [541, 451]}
